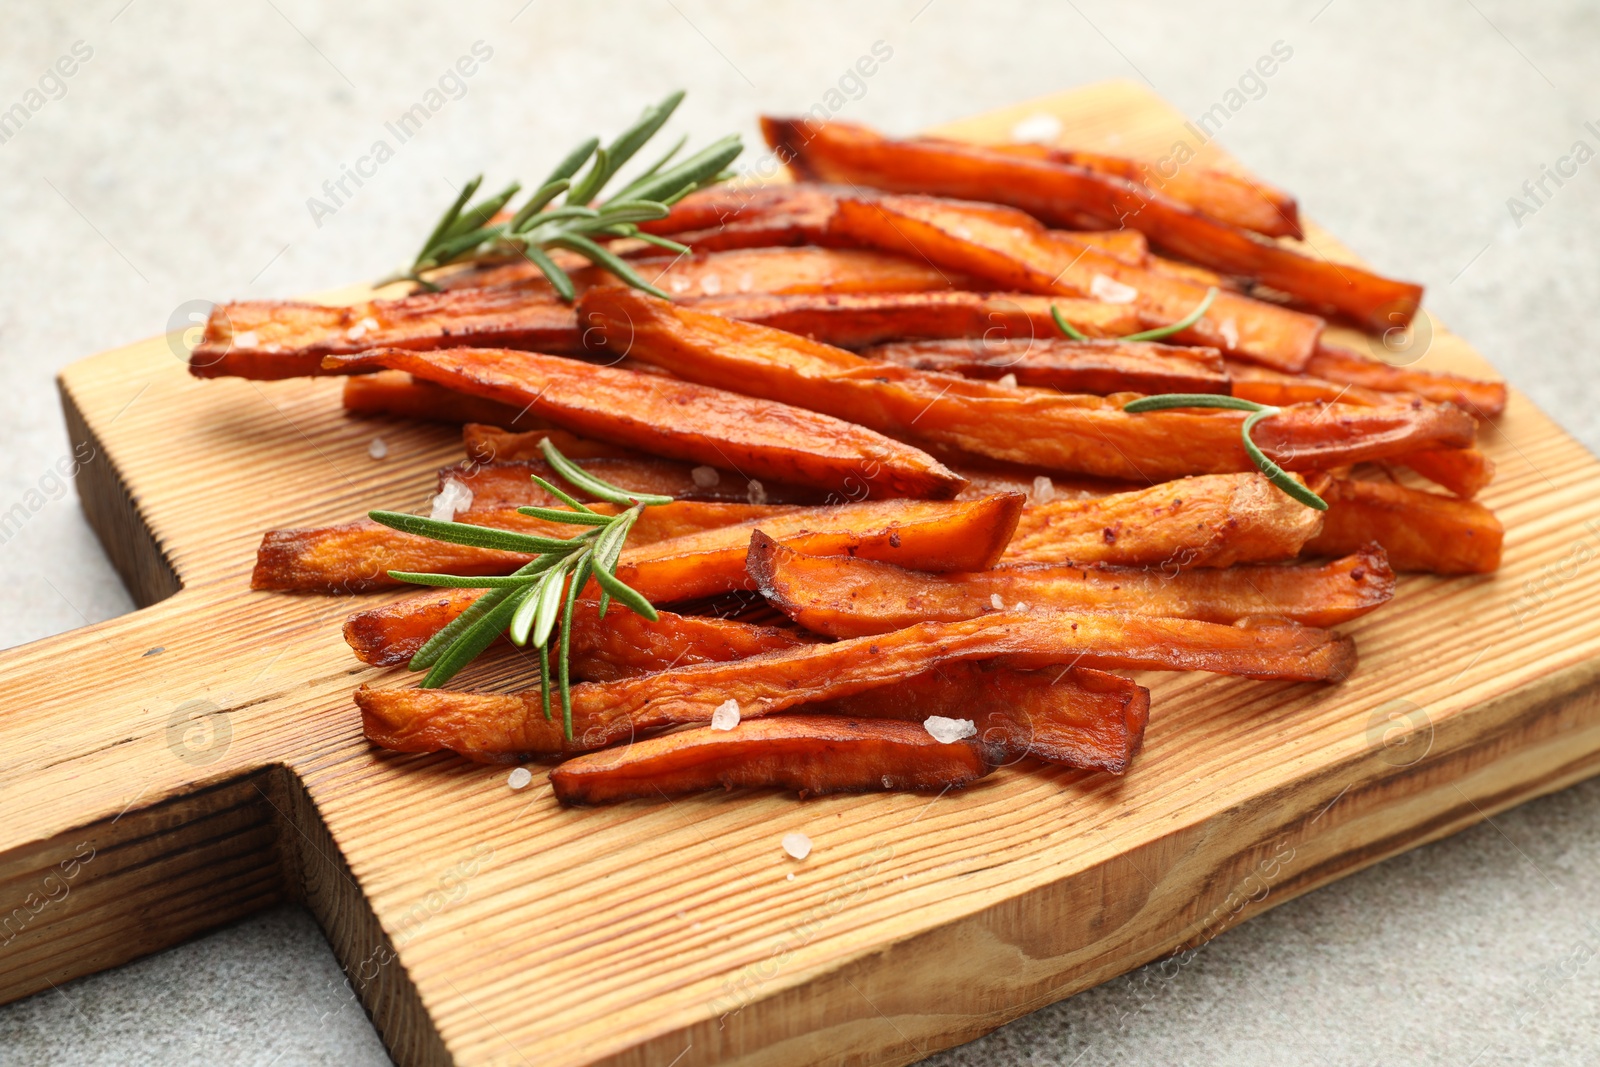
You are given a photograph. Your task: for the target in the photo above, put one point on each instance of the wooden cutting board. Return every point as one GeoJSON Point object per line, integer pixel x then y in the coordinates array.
{"type": "Point", "coordinates": [199, 760]}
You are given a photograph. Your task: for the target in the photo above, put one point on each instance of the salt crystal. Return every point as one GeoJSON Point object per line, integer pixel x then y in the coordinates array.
{"type": "Point", "coordinates": [1009, 381]}
{"type": "Point", "coordinates": [1021, 605]}
{"type": "Point", "coordinates": [705, 477]}
{"type": "Point", "coordinates": [678, 283]}
{"type": "Point", "coordinates": [747, 282]}
{"type": "Point", "coordinates": [756, 492]}
{"type": "Point", "coordinates": [453, 497]}
{"type": "Point", "coordinates": [519, 778]}
{"type": "Point", "coordinates": [355, 332]}
{"type": "Point", "coordinates": [789, 877]}
{"type": "Point", "coordinates": [797, 845]}
{"type": "Point", "coordinates": [1112, 291]}
{"type": "Point", "coordinates": [377, 449]}
{"type": "Point", "coordinates": [996, 603]}
{"type": "Point", "coordinates": [248, 339]}
{"type": "Point", "coordinates": [1037, 127]}
{"type": "Point", "coordinates": [711, 285]}
{"type": "Point", "coordinates": [726, 717]}
{"type": "Point", "coordinates": [1044, 490]}
{"type": "Point", "coordinates": [1230, 332]}
{"type": "Point", "coordinates": [948, 731]}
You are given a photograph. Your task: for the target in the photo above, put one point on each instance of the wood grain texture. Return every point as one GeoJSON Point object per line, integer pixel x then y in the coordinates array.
{"type": "Point", "coordinates": [206, 749]}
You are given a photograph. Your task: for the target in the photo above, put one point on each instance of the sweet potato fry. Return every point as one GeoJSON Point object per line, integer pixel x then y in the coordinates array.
{"type": "Point", "coordinates": [1243, 202]}
{"type": "Point", "coordinates": [925, 535]}
{"type": "Point", "coordinates": [357, 556]}
{"type": "Point", "coordinates": [487, 726]}
{"type": "Point", "coordinates": [1279, 389]}
{"type": "Point", "coordinates": [396, 394]}
{"type": "Point", "coordinates": [1420, 531]}
{"type": "Point", "coordinates": [808, 754]}
{"type": "Point", "coordinates": [1074, 717]}
{"type": "Point", "coordinates": [680, 420]}
{"type": "Point", "coordinates": [509, 483]}
{"type": "Point", "coordinates": [1098, 367]}
{"type": "Point", "coordinates": [1484, 399]}
{"type": "Point", "coordinates": [1463, 471]}
{"type": "Point", "coordinates": [620, 645]}
{"type": "Point", "coordinates": [1063, 194]}
{"type": "Point", "coordinates": [841, 596]}
{"type": "Point", "coordinates": [1051, 431]}
{"type": "Point", "coordinates": [856, 321]}
{"type": "Point", "coordinates": [752, 270]}
{"type": "Point", "coordinates": [271, 339]}
{"type": "Point", "coordinates": [1211, 521]}
{"type": "Point", "coordinates": [1014, 252]}
{"type": "Point", "coordinates": [802, 213]}
{"type": "Point", "coordinates": [749, 216]}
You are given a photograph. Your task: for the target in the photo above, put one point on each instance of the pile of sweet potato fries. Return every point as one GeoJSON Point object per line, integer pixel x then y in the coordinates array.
{"type": "Point", "coordinates": [900, 490]}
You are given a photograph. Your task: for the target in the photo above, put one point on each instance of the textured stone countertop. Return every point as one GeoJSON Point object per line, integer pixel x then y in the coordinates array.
{"type": "Point", "coordinates": [175, 163]}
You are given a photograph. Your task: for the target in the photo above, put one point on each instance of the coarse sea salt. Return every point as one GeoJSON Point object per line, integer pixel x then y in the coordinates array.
{"type": "Point", "coordinates": [726, 717]}
{"type": "Point", "coordinates": [1009, 381]}
{"type": "Point", "coordinates": [519, 778]}
{"type": "Point", "coordinates": [949, 731]}
{"type": "Point", "coordinates": [711, 285]}
{"type": "Point", "coordinates": [1037, 127]}
{"type": "Point", "coordinates": [248, 339]}
{"type": "Point", "coordinates": [797, 845]}
{"type": "Point", "coordinates": [377, 449]}
{"type": "Point", "coordinates": [755, 492]}
{"type": "Point", "coordinates": [1044, 490]}
{"type": "Point", "coordinates": [705, 477]}
{"type": "Point", "coordinates": [996, 603]}
{"type": "Point", "coordinates": [1112, 291]}
{"type": "Point", "coordinates": [453, 498]}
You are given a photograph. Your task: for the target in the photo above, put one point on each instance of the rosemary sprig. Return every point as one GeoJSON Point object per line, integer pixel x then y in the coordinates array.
{"type": "Point", "coordinates": [1275, 474]}
{"type": "Point", "coordinates": [1143, 335]}
{"type": "Point", "coordinates": [530, 603]}
{"type": "Point", "coordinates": [470, 233]}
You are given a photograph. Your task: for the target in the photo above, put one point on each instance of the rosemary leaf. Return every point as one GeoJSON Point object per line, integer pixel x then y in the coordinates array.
{"type": "Point", "coordinates": [461, 533]}
{"type": "Point", "coordinates": [596, 487]}
{"type": "Point", "coordinates": [474, 639]}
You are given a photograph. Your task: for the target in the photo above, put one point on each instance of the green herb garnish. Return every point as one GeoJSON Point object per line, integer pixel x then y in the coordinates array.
{"type": "Point", "coordinates": [469, 233]}
{"type": "Point", "coordinates": [528, 603]}
{"type": "Point", "coordinates": [1275, 474]}
{"type": "Point", "coordinates": [1143, 335]}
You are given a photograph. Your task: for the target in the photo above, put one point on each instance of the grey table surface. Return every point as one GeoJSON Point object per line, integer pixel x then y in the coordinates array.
{"type": "Point", "coordinates": [177, 161]}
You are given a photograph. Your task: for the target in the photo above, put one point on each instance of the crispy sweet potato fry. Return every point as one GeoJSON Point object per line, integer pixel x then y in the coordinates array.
{"type": "Point", "coordinates": [509, 483]}
{"type": "Point", "coordinates": [1015, 252]}
{"type": "Point", "coordinates": [1463, 471]}
{"type": "Point", "coordinates": [1243, 202]}
{"type": "Point", "coordinates": [841, 596]}
{"type": "Point", "coordinates": [1098, 367]}
{"type": "Point", "coordinates": [680, 420]}
{"type": "Point", "coordinates": [751, 270]}
{"type": "Point", "coordinates": [809, 754]}
{"type": "Point", "coordinates": [1420, 531]}
{"type": "Point", "coordinates": [1340, 365]}
{"type": "Point", "coordinates": [1279, 389]}
{"type": "Point", "coordinates": [926, 535]}
{"type": "Point", "coordinates": [620, 645]}
{"type": "Point", "coordinates": [490, 726]}
{"type": "Point", "coordinates": [1074, 717]}
{"type": "Point", "coordinates": [1062, 193]}
{"type": "Point", "coordinates": [1048, 430]}
{"type": "Point", "coordinates": [357, 556]}
{"type": "Point", "coordinates": [856, 321]}
{"type": "Point", "coordinates": [487, 725]}
{"type": "Point", "coordinates": [801, 213]}
{"type": "Point", "coordinates": [966, 535]}
{"type": "Point", "coordinates": [1211, 521]}
{"type": "Point", "coordinates": [271, 339]}
{"type": "Point", "coordinates": [395, 393]}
